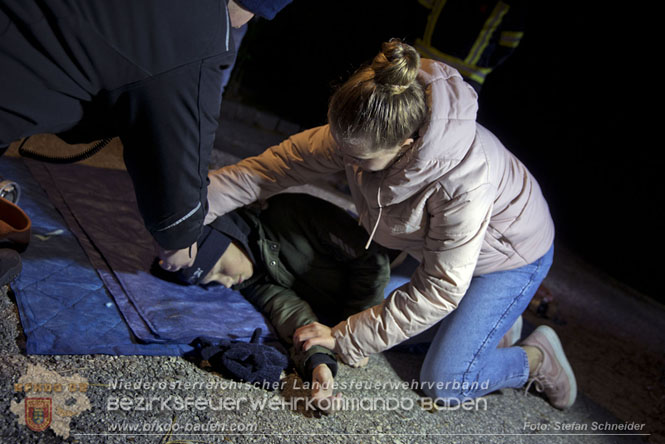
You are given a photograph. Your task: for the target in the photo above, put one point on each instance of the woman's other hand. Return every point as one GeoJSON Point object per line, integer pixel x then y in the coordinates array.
{"type": "Point", "coordinates": [362, 363]}
{"type": "Point", "coordinates": [238, 15]}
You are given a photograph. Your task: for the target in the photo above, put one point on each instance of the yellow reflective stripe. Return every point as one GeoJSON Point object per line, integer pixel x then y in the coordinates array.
{"type": "Point", "coordinates": [427, 3]}
{"type": "Point", "coordinates": [432, 18]}
{"type": "Point", "coordinates": [473, 72]}
{"type": "Point", "coordinates": [512, 34]}
{"type": "Point", "coordinates": [511, 39]}
{"type": "Point", "coordinates": [486, 34]}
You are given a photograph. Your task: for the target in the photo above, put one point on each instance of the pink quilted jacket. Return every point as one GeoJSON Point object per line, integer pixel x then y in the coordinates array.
{"type": "Point", "coordinates": [458, 201]}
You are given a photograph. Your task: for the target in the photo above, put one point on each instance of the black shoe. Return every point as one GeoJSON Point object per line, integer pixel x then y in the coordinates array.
{"type": "Point", "coordinates": [10, 266]}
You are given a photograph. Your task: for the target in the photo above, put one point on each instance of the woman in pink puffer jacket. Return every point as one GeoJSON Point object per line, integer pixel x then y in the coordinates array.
{"type": "Point", "coordinates": [426, 178]}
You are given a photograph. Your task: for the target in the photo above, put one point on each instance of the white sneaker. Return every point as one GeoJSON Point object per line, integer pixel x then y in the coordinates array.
{"type": "Point", "coordinates": [554, 375]}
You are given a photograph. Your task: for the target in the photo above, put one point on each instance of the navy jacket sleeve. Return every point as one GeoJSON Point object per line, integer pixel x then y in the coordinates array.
{"type": "Point", "coordinates": [168, 129]}
{"type": "Point", "coordinates": [148, 71]}
{"type": "Point", "coordinates": [168, 119]}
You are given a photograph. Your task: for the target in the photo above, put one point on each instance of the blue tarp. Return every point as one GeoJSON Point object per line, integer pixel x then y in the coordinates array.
{"type": "Point", "coordinates": [86, 286]}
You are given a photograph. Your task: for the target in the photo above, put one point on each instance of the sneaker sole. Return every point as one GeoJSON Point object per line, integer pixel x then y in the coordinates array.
{"type": "Point", "coordinates": [560, 356]}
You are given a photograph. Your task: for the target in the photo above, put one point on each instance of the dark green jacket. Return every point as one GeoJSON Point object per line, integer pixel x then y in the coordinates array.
{"type": "Point", "coordinates": [310, 257]}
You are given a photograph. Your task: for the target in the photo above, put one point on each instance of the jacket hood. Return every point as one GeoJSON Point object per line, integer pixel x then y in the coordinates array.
{"type": "Point", "coordinates": [442, 142]}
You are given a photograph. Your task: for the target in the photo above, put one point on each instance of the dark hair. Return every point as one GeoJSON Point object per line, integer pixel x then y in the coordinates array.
{"type": "Point", "coordinates": [382, 104]}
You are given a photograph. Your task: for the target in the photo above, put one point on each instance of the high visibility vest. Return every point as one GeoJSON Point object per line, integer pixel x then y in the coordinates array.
{"type": "Point", "coordinates": [473, 36]}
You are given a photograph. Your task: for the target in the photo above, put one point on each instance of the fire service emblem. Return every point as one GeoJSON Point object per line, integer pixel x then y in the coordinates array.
{"type": "Point", "coordinates": [38, 413]}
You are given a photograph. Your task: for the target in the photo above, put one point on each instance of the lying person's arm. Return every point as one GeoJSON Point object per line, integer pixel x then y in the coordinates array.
{"type": "Point", "coordinates": [287, 311]}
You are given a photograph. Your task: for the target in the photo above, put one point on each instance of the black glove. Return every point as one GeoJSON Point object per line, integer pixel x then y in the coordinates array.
{"type": "Point", "coordinates": [244, 361]}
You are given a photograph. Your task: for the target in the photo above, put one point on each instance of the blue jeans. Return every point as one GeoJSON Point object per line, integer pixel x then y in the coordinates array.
{"type": "Point", "coordinates": [463, 361]}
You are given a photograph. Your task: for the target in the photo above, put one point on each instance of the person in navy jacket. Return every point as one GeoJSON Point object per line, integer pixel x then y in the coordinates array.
{"type": "Point", "coordinates": [148, 71]}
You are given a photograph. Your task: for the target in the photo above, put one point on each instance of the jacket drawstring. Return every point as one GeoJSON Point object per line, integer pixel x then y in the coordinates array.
{"type": "Point", "coordinates": [378, 200]}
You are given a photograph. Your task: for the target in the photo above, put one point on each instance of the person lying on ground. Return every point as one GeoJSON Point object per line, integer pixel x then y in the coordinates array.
{"type": "Point", "coordinates": [299, 260]}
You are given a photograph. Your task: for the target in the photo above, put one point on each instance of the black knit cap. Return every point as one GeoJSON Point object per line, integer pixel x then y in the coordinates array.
{"type": "Point", "coordinates": [213, 242]}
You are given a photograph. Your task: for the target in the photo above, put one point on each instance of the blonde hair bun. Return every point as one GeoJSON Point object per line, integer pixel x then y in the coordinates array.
{"type": "Point", "coordinates": [396, 66]}
{"type": "Point", "coordinates": [382, 104]}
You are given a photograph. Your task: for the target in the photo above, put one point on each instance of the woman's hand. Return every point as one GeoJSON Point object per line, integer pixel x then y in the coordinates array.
{"type": "Point", "coordinates": [318, 334]}
{"type": "Point", "coordinates": [174, 260]}
{"type": "Point", "coordinates": [314, 334]}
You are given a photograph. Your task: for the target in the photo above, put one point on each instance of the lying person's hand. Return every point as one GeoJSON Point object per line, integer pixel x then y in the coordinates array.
{"type": "Point", "coordinates": [322, 390]}
{"type": "Point", "coordinates": [313, 334]}
{"type": "Point", "coordinates": [174, 260]}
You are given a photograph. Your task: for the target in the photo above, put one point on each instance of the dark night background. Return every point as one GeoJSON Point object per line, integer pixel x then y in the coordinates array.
{"type": "Point", "coordinates": [564, 103]}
